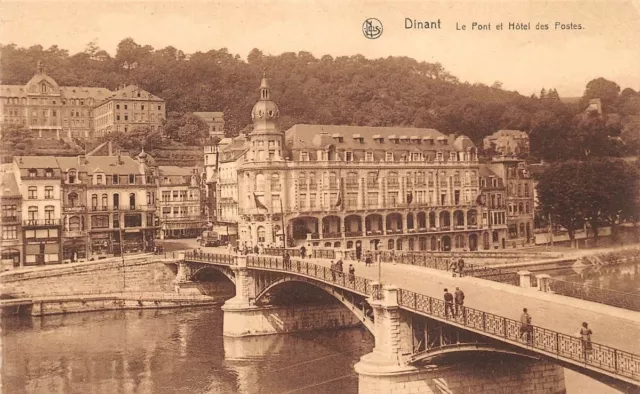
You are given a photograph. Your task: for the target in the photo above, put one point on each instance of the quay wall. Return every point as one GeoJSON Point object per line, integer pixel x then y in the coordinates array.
{"type": "Point", "coordinates": [145, 273]}
{"type": "Point", "coordinates": [250, 321]}
{"type": "Point", "coordinates": [46, 307]}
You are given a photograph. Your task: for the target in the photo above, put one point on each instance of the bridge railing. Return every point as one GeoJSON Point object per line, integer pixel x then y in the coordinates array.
{"type": "Point", "coordinates": [351, 282]}
{"type": "Point", "coordinates": [570, 347]}
{"type": "Point", "coordinates": [216, 258]}
{"type": "Point", "coordinates": [618, 299]}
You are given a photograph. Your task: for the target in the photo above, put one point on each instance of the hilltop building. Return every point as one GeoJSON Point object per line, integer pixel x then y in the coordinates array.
{"type": "Point", "coordinates": [508, 142]}
{"type": "Point", "coordinates": [54, 112]}
{"type": "Point", "coordinates": [214, 121]}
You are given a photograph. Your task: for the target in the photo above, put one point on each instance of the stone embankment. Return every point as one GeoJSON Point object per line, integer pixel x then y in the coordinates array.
{"type": "Point", "coordinates": [138, 282]}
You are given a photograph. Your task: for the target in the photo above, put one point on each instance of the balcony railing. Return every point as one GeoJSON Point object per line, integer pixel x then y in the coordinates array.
{"type": "Point", "coordinates": [74, 208]}
{"type": "Point", "coordinates": [123, 208]}
{"type": "Point", "coordinates": [332, 235]}
{"type": "Point", "coordinates": [353, 234]}
{"type": "Point", "coordinates": [41, 222]}
{"type": "Point", "coordinates": [9, 219]}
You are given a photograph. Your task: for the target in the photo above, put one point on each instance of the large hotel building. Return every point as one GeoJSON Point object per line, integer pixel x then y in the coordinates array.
{"type": "Point", "coordinates": [373, 187]}
{"type": "Point", "coordinates": [53, 111]}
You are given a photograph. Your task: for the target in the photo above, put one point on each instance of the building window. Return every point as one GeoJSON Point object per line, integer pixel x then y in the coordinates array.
{"type": "Point", "coordinates": [114, 179]}
{"type": "Point", "coordinates": [71, 176]}
{"type": "Point", "coordinates": [372, 199]}
{"type": "Point", "coordinates": [48, 192]}
{"type": "Point", "coordinates": [101, 221]}
{"type": "Point", "coordinates": [9, 212]}
{"type": "Point", "coordinates": [126, 116]}
{"type": "Point", "coordinates": [94, 202]}
{"type": "Point", "coordinates": [133, 220]}
{"type": "Point", "coordinates": [49, 211]}
{"type": "Point", "coordinates": [132, 179]}
{"type": "Point", "coordinates": [261, 234]}
{"type": "Point", "coordinates": [48, 173]}
{"type": "Point", "coordinates": [9, 232]}
{"type": "Point", "coordinates": [275, 182]}
{"type": "Point", "coordinates": [304, 156]}
{"type": "Point", "coordinates": [348, 156]}
{"type": "Point", "coordinates": [32, 215]}
{"type": "Point", "coordinates": [33, 192]}
{"type": "Point", "coordinates": [125, 106]}
{"type": "Point", "coordinates": [99, 180]}
{"type": "Point", "coordinates": [369, 156]}
{"type": "Point", "coordinates": [159, 107]}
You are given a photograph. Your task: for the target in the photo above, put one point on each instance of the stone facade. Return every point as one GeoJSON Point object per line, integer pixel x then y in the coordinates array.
{"type": "Point", "coordinates": [523, 377]}
{"type": "Point", "coordinates": [351, 187]}
{"type": "Point", "coordinates": [250, 321]}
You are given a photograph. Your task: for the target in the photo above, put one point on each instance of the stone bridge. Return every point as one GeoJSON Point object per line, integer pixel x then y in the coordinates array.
{"type": "Point", "coordinates": [417, 343]}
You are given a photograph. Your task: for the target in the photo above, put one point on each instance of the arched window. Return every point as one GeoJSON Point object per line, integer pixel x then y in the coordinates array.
{"type": "Point", "coordinates": [390, 244]}
{"type": "Point", "coordinates": [259, 182]}
{"type": "Point", "coordinates": [261, 234]}
{"type": "Point", "coordinates": [372, 179]}
{"type": "Point", "coordinates": [349, 244]}
{"type": "Point", "coordinates": [71, 176]}
{"type": "Point", "coordinates": [105, 201]}
{"type": "Point", "coordinates": [94, 202]}
{"type": "Point", "coordinates": [72, 199]}
{"type": "Point", "coordinates": [399, 245]}
{"type": "Point", "coordinates": [74, 223]}
{"type": "Point", "coordinates": [352, 180]}
{"type": "Point", "coordinates": [522, 232]}
{"type": "Point", "coordinates": [275, 182]}
{"type": "Point", "coordinates": [411, 243]}
{"type": "Point", "coordinates": [132, 200]}
{"type": "Point", "coordinates": [333, 181]}
{"type": "Point", "coordinates": [302, 181]}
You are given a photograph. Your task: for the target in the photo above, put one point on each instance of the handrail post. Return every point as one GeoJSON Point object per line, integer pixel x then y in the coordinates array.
{"type": "Point", "coordinates": [504, 325]}
{"type": "Point", "coordinates": [615, 360]}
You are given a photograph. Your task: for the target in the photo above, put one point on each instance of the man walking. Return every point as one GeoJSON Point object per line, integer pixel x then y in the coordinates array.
{"type": "Point", "coordinates": [333, 271]}
{"type": "Point", "coordinates": [367, 260]}
{"type": "Point", "coordinates": [448, 304]}
{"type": "Point", "coordinates": [459, 300]}
{"type": "Point", "coordinates": [525, 325]}
{"type": "Point", "coordinates": [352, 273]}
{"type": "Point", "coordinates": [585, 334]}
{"type": "Point", "coordinates": [303, 251]}
{"type": "Point", "coordinates": [287, 261]}
{"type": "Point", "coordinates": [461, 267]}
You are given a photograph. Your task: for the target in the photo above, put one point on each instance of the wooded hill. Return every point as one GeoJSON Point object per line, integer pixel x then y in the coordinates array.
{"type": "Point", "coordinates": [354, 90]}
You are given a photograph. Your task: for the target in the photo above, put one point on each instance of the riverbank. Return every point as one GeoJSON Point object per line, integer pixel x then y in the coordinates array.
{"type": "Point", "coordinates": [78, 303]}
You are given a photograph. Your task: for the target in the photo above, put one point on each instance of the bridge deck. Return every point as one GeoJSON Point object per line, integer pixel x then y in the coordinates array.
{"type": "Point", "coordinates": [612, 326]}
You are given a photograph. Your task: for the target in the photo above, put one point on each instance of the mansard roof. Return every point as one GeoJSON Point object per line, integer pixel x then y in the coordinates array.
{"type": "Point", "coordinates": [379, 140]}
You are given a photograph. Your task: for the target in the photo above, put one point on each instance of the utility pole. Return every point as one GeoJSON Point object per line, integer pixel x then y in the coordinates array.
{"type": "Point", "coordinates": [124, 275]}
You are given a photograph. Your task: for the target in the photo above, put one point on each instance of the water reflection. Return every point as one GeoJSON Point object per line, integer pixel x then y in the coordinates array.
{"type": "Point", "coordinates": [625, 278]}
{"type": "Point", "coordinates": [166, 351]}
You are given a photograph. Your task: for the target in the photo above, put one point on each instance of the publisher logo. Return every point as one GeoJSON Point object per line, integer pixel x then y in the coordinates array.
{"type": "Point", "coordinates": [372, 28]}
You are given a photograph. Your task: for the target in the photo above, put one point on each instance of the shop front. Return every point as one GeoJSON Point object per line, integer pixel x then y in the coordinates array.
{"type": "Point", "coordinates": [42, 252]}
{"type": "Point", "coordinates": [74, 250]}
{"type": "Point", "coordinates": [102, 245]}
{"type": "Point", "coordinates": [133, 241]}
{"type": "Point", "coordinates": [190, 229]}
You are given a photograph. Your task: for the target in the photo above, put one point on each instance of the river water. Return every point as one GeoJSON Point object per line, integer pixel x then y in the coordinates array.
{"type": "Point", "coordinates": [182, 351]}
{"type": "Point", "coordinates": [625, 277]}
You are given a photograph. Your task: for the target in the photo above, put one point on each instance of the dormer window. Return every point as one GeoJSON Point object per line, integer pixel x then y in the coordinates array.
{"type": "Point", "coordinates": [33, 173]}
{"type": "Point", "coordinates": [48, 173]}
{"type": "Point", "coordinates": [337, 137]}
{"type": "Point", "coordinates": [348, 156]}
{"type": "Point", "coordinates": [389, 156]}
{"type": "Point", "coordinates": [393, 138]}
{"type": "Point", "coordinates": [378, 138]}
{"type": "Point", "coordinates": [494, 182]}
{"type": "Point", "coordinates": [99, 180]}
{"type": "Point", "coordinates": [71, 177]}
{"type": "Point", "coordinates": [452, 156]}
{"type": "Point", "coordinates": [304, 156]}
{"type": "Point", "coordinates": [404, 138]}
{"type": "Point", "coordinates": [416, 156]}
{"type": "Point", "coordinates": [358, 138]}
{"type": "Point", "coordinates": [439, 156]}
{"type": "Point", "coordinates": [369, 156]}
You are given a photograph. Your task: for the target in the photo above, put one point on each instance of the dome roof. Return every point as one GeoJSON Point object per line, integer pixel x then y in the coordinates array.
{"type": "Point", "coordinates": [265, 110]}
{"type": "Point", "coordinates": [462, 143]}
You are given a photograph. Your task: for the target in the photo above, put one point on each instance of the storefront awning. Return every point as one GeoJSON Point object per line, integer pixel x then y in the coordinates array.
{"type": "Point", "coordinates": [225, 230]}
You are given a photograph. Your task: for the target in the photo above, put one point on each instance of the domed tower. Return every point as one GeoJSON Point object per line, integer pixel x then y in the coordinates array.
{"type": "Point", "coordinates": [262, 177]}
{"type": "Point", "coordinates": [266, 138]}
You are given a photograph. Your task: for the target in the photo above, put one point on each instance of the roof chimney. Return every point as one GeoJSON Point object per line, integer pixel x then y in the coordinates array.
{"type": "Point", "coordinates": [119, 158]}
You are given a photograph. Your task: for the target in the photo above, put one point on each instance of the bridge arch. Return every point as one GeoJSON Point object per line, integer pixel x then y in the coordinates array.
{"type": "Point", "coordinates": [223, 271]}
{"type": "Point", "coordinates": [360, 308]}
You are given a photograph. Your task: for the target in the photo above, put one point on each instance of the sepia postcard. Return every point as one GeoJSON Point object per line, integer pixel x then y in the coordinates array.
{"type": "Point", "coordinates": [288, 196]}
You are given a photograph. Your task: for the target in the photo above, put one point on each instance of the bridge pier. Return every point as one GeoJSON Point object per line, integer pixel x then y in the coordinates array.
{"type": "Point", "coordinates": [243, 318]}
{"type": "Point", "coordinates": [386, 368]}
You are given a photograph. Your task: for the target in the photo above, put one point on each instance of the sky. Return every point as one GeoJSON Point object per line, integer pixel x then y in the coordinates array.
{"type": "Point", "coordinates": [524, 60]}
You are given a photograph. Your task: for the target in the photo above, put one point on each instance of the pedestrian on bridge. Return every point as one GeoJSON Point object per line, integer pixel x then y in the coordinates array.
{"type": "Point", "coordinates": [303, 251]}
{"type": "Point", "coordinates": [585, 334]}
{"type": "Point", "coordinates": [352, 273]}
{"type": "Point", "coordinates": [333, 271]}
{"type": "Point", "coordinates": [448, 304]}
{"type": "Point", "coordinates": [367, 260]}
{"type": "Point", "coordinates": [461, 267]}
{"type": "Point", "coordinates": [287, 261]}
{"type": "Point", "coordinates": [459, 300]}
{"type": "Point", "coordinates": [525, 325]}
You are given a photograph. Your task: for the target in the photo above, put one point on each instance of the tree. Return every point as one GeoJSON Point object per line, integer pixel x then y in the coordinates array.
{"type": "Point", "coordinates": [591, 136]}
{"type": "Point", "coordinates": [603, 89]}
{"type": "Point", "coordinates": [561, 195]}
